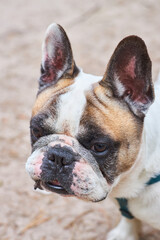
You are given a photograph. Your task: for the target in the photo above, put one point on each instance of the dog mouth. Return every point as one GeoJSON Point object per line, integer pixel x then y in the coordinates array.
{"type": "Point", "coordinates": [52, 186]}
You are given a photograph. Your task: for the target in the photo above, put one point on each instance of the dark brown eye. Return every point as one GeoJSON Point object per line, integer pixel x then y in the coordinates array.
{"type": "Point", "coordinates": [36, 132]}
{"type": "Point", "coordinates": [99, 147]}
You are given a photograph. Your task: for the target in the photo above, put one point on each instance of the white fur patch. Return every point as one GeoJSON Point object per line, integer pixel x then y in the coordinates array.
{"type": "Point", "coordinates": [143, 201]}
{"type": "Point", "coordinates": [152, 133]}
{"type": "Point", "coordinates": [120, 87]}
{"type": "Point", "coordinates": [72, 103]}
{"type": "Point", "coordinates": [33, 164]}
{"type": "Point", "coordinates": [126, 230]}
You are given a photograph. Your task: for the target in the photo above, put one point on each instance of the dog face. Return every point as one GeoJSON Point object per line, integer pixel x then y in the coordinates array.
{"type": "Point", "coordinates": [86, 130]}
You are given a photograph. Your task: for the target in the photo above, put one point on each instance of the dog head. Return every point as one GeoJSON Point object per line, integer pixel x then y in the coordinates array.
{"type": "Point", "coordinates": [86, 130]}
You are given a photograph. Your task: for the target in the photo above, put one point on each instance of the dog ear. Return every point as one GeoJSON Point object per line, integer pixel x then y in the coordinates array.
{"type": "Point", "coordinates": [129, 75]}
{"type": "Point", "coordinates": [57, 58]}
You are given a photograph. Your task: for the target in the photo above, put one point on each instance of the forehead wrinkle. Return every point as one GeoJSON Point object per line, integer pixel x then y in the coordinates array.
{"type": "Point", "coordinates": [112, 117]}
{"type": "Point", "coordinates": [96, 102]}
{"type": "Point", "coordinates": [103, 100]}
{"type": "Point", "coordinates": [48, 94]}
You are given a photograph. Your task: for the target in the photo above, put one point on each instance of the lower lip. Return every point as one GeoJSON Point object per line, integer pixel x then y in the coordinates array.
{"type": "Point", "coordinates": [54, 188]}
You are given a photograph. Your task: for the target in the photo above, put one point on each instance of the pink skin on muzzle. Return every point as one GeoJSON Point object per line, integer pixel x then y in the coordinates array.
{"type": "Point", "coordinates": [82, 177]}
{"type": "Point", "coordinates": [36, 167]}
{"type": "Point", "coordinates": [34, 162]}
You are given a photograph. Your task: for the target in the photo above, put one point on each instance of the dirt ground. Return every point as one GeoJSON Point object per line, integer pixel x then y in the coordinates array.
{"type": "Point", "coordinates": [94, 27]}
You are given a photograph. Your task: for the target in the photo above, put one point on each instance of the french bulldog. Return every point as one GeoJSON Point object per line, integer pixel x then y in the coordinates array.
{"type": "Point", "coordinates": [93, 136]}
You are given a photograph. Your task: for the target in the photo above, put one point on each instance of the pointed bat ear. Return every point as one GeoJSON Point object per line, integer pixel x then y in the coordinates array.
{"type": "Point", "coordinates": [57, 58]}
{"type": "Point", "coordinates": [129, 75]}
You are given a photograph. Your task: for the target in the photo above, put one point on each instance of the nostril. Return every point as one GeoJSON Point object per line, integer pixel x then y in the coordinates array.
{"type": "Point", "coordinates": [51, 157]}
{"type": "Point", "coordinates": [63, 161]}
{"type": "Point", "coordinates": [66, 161]}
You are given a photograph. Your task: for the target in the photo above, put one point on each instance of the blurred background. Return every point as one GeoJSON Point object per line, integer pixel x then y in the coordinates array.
{"type": "Point", "coordinates": [94, 28]}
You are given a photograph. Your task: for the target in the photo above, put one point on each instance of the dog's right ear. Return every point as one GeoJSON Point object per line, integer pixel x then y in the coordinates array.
{"type": "Point", "coordinates": [57, 57]}
{"type": "Point", "coordinates": [129, 75]}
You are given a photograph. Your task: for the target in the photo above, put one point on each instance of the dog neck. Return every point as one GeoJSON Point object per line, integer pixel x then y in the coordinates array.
{"type": "Point", "coordinates": [133, 182]}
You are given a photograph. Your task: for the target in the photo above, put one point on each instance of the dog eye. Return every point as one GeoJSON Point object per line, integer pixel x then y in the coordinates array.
{"type": "Point", "coordinates": [36, 133]}
{"type": "Point", "coordinates": [99, 147]}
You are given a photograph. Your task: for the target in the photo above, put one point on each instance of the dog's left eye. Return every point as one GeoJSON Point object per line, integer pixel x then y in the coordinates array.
{"type": "Point", "coordinates": [99, 147]}
{"type": "Point", "coordinates": [36, 132]}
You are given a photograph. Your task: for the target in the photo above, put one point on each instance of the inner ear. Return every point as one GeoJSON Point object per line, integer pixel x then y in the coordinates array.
{"type": "Point", "coordinates": [129, 75]}
{"type": "Point", "coordinates": [57, 57]}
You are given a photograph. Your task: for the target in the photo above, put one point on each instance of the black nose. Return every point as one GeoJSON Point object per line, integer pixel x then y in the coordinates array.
{"type": "Point", "coordinates": [61, 156]}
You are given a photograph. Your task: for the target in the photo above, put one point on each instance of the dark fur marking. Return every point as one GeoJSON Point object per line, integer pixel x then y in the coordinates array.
{"type": "Point", "coordinates": [107, 162]}
{"type": "Point", "coordinates": [38, 123]}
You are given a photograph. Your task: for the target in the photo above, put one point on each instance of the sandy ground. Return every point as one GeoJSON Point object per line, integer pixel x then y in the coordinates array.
{"type": "Point", "coordinates": [94, 27]}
